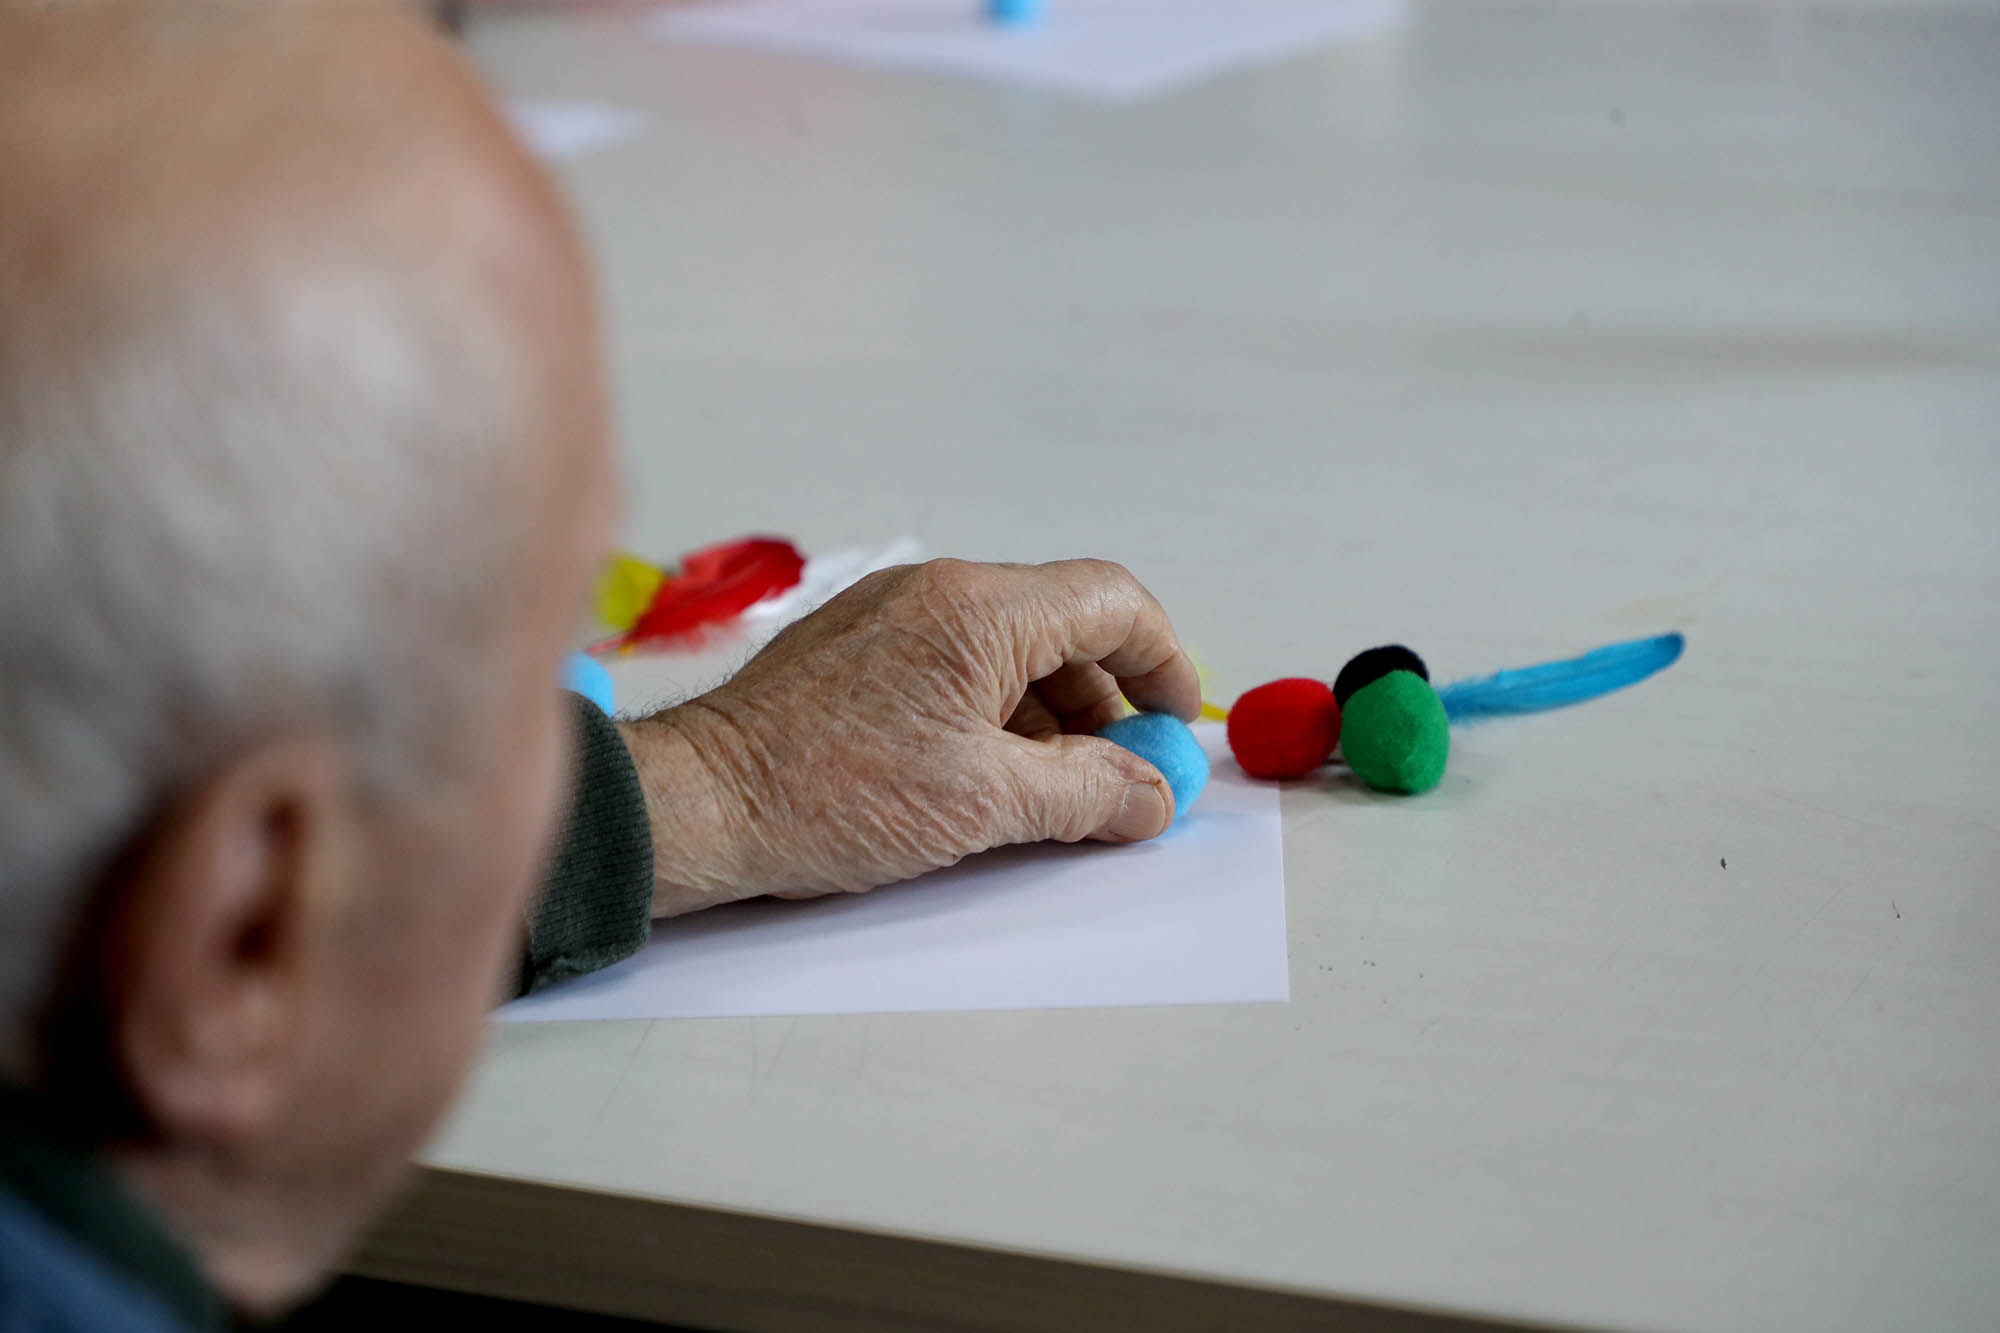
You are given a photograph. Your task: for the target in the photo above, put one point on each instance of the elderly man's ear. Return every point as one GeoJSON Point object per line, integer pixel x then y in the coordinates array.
{"type": "Point", "coordinates": [212, 937]}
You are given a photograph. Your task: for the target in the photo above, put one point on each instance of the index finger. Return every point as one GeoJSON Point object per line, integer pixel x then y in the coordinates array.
{"type": "Point", "coordinates": [1073, 612]}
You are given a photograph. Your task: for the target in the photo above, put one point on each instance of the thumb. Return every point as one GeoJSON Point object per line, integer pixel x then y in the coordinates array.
{"type": "Point", "coordinates": [1077, 787]}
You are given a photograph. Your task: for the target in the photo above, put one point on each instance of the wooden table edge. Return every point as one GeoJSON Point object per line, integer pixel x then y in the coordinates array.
{"type": "Point", "coordinates": [652, 1259]}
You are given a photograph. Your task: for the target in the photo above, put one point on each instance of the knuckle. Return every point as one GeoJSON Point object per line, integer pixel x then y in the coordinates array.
{"type": "Point", "coordinates": [1105, 584]}
{"type": "Point", "coordinates": [1106, 571]}
{"type": "Point", "coordinates": [951, 597]}
{"type": "Point", "coordinates": [951, 579]}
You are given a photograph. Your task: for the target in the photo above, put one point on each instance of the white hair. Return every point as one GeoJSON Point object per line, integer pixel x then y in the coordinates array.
{"type": "Point", "coordinates": [230, 506]}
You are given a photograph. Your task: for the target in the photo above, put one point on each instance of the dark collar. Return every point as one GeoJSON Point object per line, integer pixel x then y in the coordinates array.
{"type": "Point", "coordinates": [74, 1193]}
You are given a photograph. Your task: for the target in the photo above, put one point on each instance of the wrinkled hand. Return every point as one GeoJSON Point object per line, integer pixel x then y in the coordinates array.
{"type": "Point", "coordinates": [927, 713]}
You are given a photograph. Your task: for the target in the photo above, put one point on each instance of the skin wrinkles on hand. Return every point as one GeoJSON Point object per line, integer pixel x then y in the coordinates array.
{"type": "Point", "coordinates": [928, 713]}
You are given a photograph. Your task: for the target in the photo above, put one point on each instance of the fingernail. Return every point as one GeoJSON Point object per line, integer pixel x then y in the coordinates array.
{"type": "Point", "coordinates": [1143, 814]}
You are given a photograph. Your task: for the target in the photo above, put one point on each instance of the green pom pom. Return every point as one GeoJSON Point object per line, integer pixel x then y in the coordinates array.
{"type": "Point", "coordinates": [1395, 734]}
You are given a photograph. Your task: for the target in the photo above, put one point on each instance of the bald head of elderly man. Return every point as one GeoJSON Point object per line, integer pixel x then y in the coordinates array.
{"type": "Point", "coordinates": [303, 476]}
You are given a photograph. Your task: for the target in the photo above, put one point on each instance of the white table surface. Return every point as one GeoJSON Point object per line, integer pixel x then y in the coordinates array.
{"type": "Point", "coordinates": [1518, 329]}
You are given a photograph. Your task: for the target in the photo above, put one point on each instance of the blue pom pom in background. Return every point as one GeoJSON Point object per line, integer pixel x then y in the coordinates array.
{"type": "Point", "coordinates": [587, 677]}
{"type": "Point", "coordinates": [1165, 742]}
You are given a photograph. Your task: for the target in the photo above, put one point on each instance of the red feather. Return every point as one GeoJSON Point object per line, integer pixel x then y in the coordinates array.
{"type": "Point", "coordinates": [715, 585]}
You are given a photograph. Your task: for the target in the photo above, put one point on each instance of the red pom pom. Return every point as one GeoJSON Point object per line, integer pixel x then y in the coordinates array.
{"type": "Point", "coordinates": [1285, 729]}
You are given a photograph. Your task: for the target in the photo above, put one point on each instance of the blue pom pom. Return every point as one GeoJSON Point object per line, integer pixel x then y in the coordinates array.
{"type": "Point", "coordinates": [1164, 741]}
{"type": "Point", "coordinates": [585, 676]}
{"type": "Point", "coordinates": [1013, 12]}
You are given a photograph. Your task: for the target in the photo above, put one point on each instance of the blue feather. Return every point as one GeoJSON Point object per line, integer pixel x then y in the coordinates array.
{"type": "Point", "coordinates": [1558, 684]}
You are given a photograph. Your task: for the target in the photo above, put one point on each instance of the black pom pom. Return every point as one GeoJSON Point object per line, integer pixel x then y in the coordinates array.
{"type": "Point", "coordinates": [1368, 667]}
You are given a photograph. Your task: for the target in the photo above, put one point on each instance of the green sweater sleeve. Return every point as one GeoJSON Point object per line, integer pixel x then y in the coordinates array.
{"type": "Point", "coordinates": [597, 904]}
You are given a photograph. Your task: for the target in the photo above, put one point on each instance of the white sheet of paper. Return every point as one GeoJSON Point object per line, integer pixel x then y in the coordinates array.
{"type": "Point", "coordinates": [1112, 49]}
{"type": "Point", "coordinates": [555, 129]}
{"type": "Point", "coordinates": [1196, 916]}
